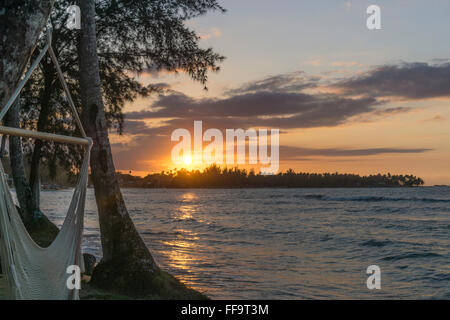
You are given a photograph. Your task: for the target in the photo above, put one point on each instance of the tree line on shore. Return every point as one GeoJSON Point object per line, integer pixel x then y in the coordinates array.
{"type": "Point", "coordinates": [217, 177]}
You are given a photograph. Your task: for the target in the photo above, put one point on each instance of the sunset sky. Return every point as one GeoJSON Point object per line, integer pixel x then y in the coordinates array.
{"type": "Point", "coordinates": [344, 98]}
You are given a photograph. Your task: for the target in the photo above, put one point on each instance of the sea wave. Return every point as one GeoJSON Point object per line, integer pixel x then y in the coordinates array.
{"type": "Point", "coordinates": [375, 243]}
{"type": "Point", "coordinates": [372, 198]}
{"type": "Point", "coordinates": [412, 255]}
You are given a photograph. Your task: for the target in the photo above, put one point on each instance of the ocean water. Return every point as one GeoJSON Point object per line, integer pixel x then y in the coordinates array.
{"type": "Point", "coordinates": [289, 243]}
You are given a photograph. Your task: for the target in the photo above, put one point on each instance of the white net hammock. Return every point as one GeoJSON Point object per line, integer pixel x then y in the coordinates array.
{"type": "Point", "coordinates": [30, 271]}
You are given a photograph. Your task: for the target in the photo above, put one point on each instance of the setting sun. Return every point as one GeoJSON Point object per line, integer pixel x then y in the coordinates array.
{"type": "Point", "coordinates": [187, 160]}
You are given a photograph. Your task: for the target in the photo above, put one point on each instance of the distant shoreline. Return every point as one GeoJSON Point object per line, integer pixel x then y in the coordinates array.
{"type": "Point", "coordinates": [279, 187]}
{"type": "Point", "coordinates": [217, 177]}
{"type": "Point", "coordinates": [229, 188]}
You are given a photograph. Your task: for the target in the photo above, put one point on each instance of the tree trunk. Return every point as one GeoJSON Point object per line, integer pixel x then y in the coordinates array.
{"type": "Point", "coordinates": [21, 23]}
{"type": "Point", "coordinates": [23, 190]}
{"type": "Point", "coordinates": [3, 147]}
{"type": "Point", "coordinates": [127, 265]}
{"type": "Point", "coordinates": [42, 230]}
{"type": "Point", "coordinates": [41, 126]}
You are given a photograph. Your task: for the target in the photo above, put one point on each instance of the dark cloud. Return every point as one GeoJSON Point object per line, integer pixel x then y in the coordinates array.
{"type": "Point", "coordinates": [136, 127]}
{"type": "Point", "coordinates": [298, 153]}
{"type": "Point", "coordinates": [144, 153]}
{"type": "Point", "coordinates": [281, 101]}
{"type": "Point", "coordinates": [161, 85]}
{"type": "Point", "coordinates": [291, 82]}
{"type": "Point", "coordinates": [407, 80]}
{"type": "Point", "coordinates": [275, 109]}
{"type": "Point", "coordinates": [156, 72]}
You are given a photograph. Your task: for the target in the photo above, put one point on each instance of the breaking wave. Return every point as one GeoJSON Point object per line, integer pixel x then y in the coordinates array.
{"type": "Point", "coordinates": [372, 198]}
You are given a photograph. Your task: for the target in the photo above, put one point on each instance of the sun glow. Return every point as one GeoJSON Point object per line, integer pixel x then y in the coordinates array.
{"type": "Point", "coordinates": [187, 160]}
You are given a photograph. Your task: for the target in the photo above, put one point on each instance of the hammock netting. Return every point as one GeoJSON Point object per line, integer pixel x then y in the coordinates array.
{"type": "Point", "coordinates": [33, 272]}
{"type": "Point", "coordinates": [30, 271]}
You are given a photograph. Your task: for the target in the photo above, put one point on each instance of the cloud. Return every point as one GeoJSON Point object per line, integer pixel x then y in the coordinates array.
{"type": "Point", "coordinates": [154, 72]}
{"type": "Point", "coordinates": [406, 80]}
{"type": "Point", "coordinates": [137, 127]}
{"type": "Point", "coordinates": [344, 63]}
{"type": "Point", "coordinates": [315, 62]}
{"type": "Point", "coordinates": [298, 153]}
{"type": "Point", "coordinates": [161, 85]}
{"type": "Point", "coordinates": [146, 153]}
{"type": "Point", "coordinates": [436, 118]}
{"type": "Point", "coordinates": [285, 101]}
{"type": "Point", "coordinates": [290, 82]}
{"type": "Point", "coordinates": [263, 108]}
{"type": "Point", "coordinates": [212, 33]}
{"type": "Point", "coordinates": [277, 101]}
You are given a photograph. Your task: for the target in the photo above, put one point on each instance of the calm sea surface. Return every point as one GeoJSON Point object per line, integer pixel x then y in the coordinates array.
{"type": "Point", "coordinates": [289, 243]}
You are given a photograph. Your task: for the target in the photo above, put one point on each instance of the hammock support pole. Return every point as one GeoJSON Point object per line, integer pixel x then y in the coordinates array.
{"type": "Point", "coordinates": [43, 136]}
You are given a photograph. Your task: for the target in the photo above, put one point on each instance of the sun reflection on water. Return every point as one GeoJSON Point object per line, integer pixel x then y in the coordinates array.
{"type": "Point", "coordinates": [182, 251]}
{"type": "Point", "coordinates": [188, 196]}
{"type": "Point", "coordinates": [181, 255]}
{"type": "Point", "coordinates": [187, 209]}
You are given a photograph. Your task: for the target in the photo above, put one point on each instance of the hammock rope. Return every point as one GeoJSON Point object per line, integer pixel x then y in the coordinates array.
{"type": "Point", "coordinates": [33, 272]}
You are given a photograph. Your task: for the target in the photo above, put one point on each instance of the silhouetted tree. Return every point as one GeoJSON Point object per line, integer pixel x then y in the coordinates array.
{"type": "Point", "coordinates": [132, 37]}
{"type": "Point", "coordinates": [143, 34]}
